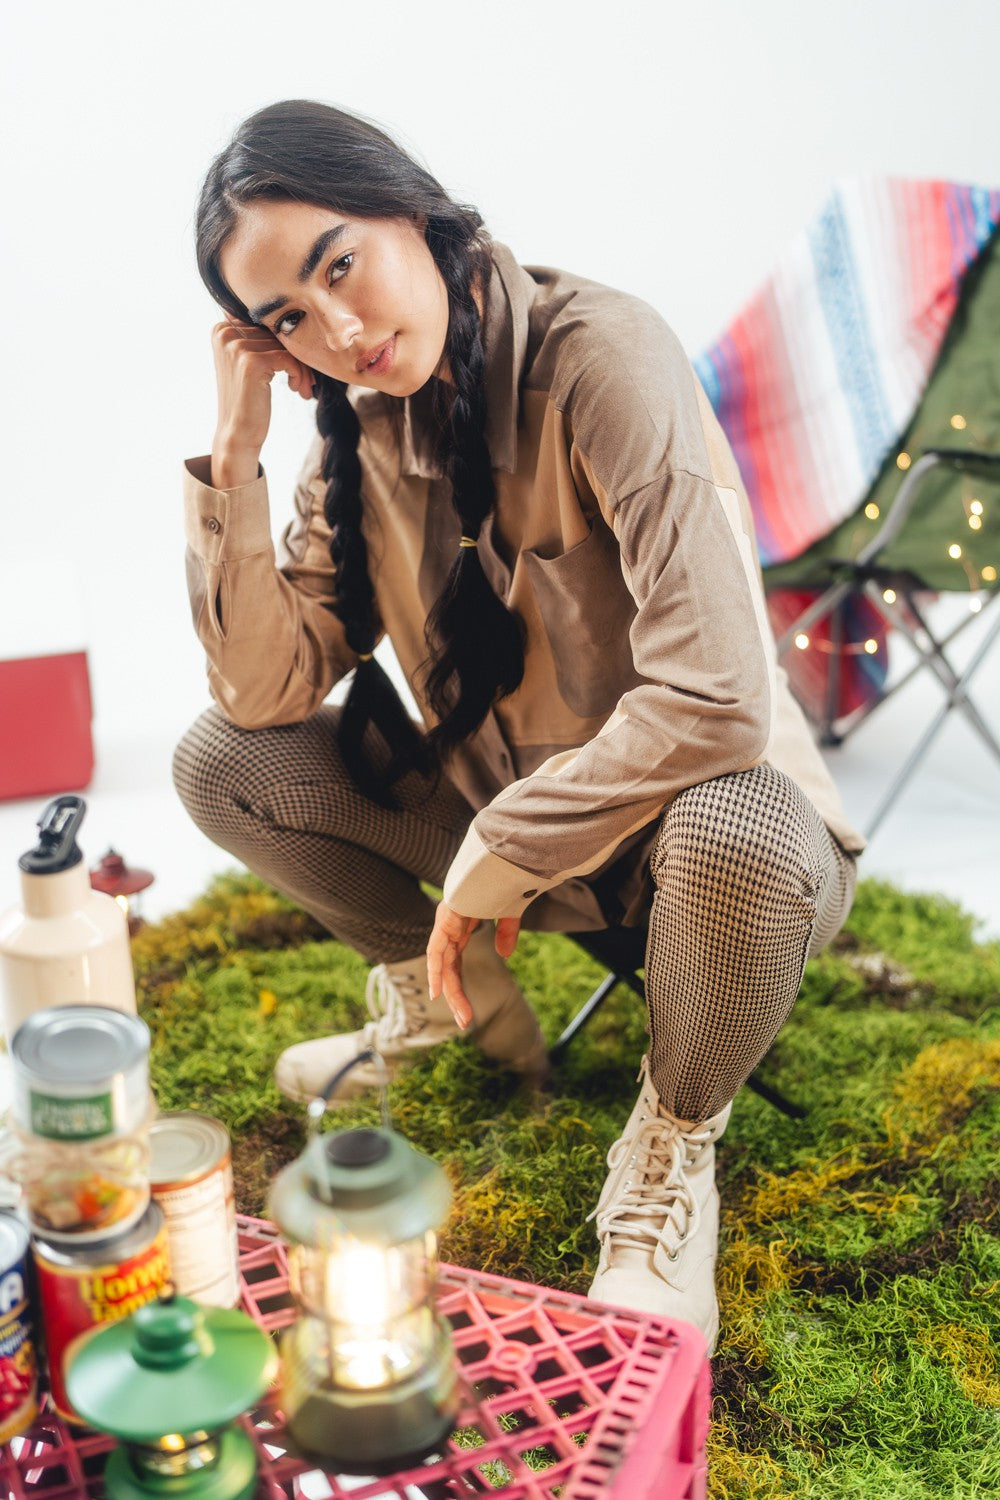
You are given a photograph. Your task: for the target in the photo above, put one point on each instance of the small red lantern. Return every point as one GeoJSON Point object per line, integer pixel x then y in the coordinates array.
{"type": "Point", "coordinates": [114, 877]}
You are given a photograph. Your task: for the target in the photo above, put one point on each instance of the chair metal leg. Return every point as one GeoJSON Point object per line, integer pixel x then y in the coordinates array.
{"type": "Point", "coordinates": [583, 1015]}
{"type": "Point", "coordinates": [957, 698]}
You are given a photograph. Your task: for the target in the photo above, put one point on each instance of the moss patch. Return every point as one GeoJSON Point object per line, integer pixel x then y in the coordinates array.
{"type": "Point", "coordinates": [859, 1273]}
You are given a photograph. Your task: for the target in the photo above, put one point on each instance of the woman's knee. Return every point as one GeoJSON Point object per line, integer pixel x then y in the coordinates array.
{"type": "Point", "coordinates": [754, 825]}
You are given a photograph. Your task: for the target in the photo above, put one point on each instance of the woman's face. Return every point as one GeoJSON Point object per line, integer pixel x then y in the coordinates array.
{"type": "Point", "coordinates": [359, 299]}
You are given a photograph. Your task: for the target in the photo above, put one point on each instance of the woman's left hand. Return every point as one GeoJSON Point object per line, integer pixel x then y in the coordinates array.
{"type": "Point", "coordinates": [447, 943]}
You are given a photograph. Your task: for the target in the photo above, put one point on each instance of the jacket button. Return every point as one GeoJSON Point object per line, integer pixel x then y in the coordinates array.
{"type": "Point", "coordinates": [213, 523]}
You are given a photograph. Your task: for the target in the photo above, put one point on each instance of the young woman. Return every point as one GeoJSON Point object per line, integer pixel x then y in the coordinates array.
{"type": "Point", "coordinates": [517, 480]}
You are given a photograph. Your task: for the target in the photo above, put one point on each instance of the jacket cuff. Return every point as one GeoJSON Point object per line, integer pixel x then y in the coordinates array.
{"type": "Point", "coordinates": [223, 525]}
{"type": "Point", "coordinates": [481, 884]}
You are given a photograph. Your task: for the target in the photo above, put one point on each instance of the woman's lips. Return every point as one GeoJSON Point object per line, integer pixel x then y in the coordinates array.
{"type": "Point", "coordinates": [378, 360]}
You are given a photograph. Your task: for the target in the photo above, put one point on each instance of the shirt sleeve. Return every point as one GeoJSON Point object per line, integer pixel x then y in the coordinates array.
{"type": "Point", "coordinates": [699, 640]}
{"type": "Point", "coordinates": [274, 646]}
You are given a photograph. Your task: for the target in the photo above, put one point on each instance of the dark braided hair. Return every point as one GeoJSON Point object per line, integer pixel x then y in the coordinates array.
{"type": "Point", "coordinates": [301, 151]}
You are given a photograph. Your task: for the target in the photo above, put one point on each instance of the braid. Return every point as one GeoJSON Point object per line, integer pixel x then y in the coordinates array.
{"type": "Point", "coordinates": [371, 697]}
{"type": "Point", "coordinates": [476, 642]}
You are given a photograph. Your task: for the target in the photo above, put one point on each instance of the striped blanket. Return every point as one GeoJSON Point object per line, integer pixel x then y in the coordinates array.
{"type": "Point", "coordinates": [822, 370]}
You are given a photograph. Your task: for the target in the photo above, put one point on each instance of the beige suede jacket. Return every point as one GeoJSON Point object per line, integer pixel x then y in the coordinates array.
{"type": "Point", "coordinates": [623, 539]}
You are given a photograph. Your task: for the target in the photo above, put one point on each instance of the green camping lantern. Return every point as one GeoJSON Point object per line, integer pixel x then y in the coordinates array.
{"type": "Point", "coordinates": [167, 1382]}
{"type": "Point", "coordinates": [369, 1380]}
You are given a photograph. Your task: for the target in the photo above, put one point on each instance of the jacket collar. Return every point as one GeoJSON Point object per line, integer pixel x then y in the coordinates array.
{"type": "Point", "coordinates": [505, 339]}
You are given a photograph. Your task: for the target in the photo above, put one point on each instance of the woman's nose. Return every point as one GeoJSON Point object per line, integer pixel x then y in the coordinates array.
{"type": "Point", "coordinates": [340, 329]}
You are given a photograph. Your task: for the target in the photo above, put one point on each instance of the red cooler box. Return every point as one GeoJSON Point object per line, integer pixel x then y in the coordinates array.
{"type": "Point", "coordinates": [46, 743]}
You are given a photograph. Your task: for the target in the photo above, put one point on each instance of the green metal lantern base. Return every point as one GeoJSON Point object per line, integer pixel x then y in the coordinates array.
{"type": "Point", "coordinates": [232, 1477]}
{"type": "Point", "coordinates": [378, 1432]}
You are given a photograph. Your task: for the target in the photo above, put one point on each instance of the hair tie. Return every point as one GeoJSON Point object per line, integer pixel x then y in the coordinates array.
{"type": "Point", "coordinates": [365, 655]}
{"type": "Point", "coordinates": [468, 541]}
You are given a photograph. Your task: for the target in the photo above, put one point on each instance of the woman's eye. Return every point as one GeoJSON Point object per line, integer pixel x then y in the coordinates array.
{"type": "Point", "coordinates": [340, 267]}
{"type": "Point", "coordinates": [287, 324]}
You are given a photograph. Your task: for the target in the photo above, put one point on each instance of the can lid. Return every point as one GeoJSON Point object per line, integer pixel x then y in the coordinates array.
{"type": "Point", "coordinates": [79, 1044]}
{"type": "Point", "coordinates": [13, 1238]}
{"type": "Point", "coordinates": [183, 1143]}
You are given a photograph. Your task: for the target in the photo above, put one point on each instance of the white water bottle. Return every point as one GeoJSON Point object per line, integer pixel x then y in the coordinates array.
{"type": "Point", "coordinates": [66, 944]}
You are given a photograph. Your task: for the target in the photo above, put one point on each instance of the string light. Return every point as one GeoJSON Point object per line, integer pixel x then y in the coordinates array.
{"type": "Point", "coordinates": [976, 507]}
{"type": "Point", "coordinates": [975, 523]}
{"type": "Point", "coordinates": [958, 422]}
{"type": "Point", "coordinates": [955, 550]}
{"type": "Point", "coordinates": [872, 511]}
{"type": "Point", "coordinates": [975, 605]}
{"type": "Point", "coordinates": [903, 460]}
{"type": "Point", "coordinates": [845, 648]}
{"type": "Point", "coordinates": [989, 575]}
{"type": "Point", "coordinates": [889, 595]}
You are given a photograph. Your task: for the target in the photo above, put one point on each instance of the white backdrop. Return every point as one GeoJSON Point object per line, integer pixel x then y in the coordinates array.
{"type": "Point", "coordinates": [670, 149]}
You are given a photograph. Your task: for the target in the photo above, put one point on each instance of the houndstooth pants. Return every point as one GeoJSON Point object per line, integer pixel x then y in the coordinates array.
{"type": "Point", "coordinates": [748, 883]}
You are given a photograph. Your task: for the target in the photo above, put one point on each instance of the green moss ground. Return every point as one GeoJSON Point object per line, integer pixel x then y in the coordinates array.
{"type": "Point", "coordinates": [860, 1265]}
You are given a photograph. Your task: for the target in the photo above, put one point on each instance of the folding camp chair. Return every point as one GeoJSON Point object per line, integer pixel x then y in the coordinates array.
{"type": "Point", "coordinates": [861, 393]}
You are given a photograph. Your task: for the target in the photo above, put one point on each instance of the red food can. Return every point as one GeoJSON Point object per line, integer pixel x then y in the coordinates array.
{"type": "Point", "coordinates": [81, 1288]}
{"type": "Point", "coordinates": [18, 1367]}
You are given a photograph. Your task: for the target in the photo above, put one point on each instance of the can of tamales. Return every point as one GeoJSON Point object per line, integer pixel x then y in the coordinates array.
{"type": "Point", "coordinates": [82, 1287]}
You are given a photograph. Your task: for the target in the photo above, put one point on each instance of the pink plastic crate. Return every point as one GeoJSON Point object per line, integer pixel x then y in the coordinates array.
{"type": "Point", "coordinates": [562, 1397]}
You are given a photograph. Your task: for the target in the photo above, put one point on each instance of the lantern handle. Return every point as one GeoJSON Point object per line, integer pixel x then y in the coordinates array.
{"type": "Point", "coordinates": [317, 1107]}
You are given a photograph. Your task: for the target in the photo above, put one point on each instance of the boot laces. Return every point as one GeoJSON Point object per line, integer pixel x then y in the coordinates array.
{"type": "Point", "coordinates": [649, 1197]}
{"type": "Point", "coordinates": [397, 1002]}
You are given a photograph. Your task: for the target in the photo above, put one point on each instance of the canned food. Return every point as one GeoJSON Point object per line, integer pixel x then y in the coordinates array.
{"type": "Point", "coordinates": [80, 1192]}
{"type": "Point", "coordinates": [18, 1366]}
{"type": "Point", "coordinates": [82, 1287]}
{"type": "Point", "coordinates": [192, 1181]}
{"type": "Point", "coordinates": [79, 1073]}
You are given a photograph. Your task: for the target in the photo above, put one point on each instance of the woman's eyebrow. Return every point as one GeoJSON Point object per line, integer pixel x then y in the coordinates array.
{"type": "Point", "coordinates": [319, 248]}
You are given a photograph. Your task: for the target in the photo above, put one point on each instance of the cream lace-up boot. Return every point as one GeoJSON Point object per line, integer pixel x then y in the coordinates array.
{"type": "Point", "coordinates": [658, 1216]}
{"type": "Point", "coordinates": [405, 1021]}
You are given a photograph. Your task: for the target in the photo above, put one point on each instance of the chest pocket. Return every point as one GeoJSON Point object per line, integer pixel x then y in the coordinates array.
{"type": "Point", "coordinates": [586, 610]}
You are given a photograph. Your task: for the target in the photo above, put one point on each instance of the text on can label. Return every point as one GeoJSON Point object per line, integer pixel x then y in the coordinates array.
{"type": "Point", "coordinates": [71, 1119]}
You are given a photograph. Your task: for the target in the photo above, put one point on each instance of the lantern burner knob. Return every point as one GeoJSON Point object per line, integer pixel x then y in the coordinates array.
{"type": "Point", "coordinates": [168, 1334]}
{"type": "Point", "coordinates": [357, 1148]}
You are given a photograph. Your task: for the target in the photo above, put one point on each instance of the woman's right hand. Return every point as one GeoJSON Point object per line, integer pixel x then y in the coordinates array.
{"type": "Point", "coordinates": [247, 358]}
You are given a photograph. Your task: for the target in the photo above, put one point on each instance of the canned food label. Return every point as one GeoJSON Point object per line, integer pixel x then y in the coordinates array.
{"type": "Point", "coordinates": [60, 1119]}
{"type": "Point", "coordinates": [18, 1371]}
{"type": "Point", "coordinates": [77, 1299]}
